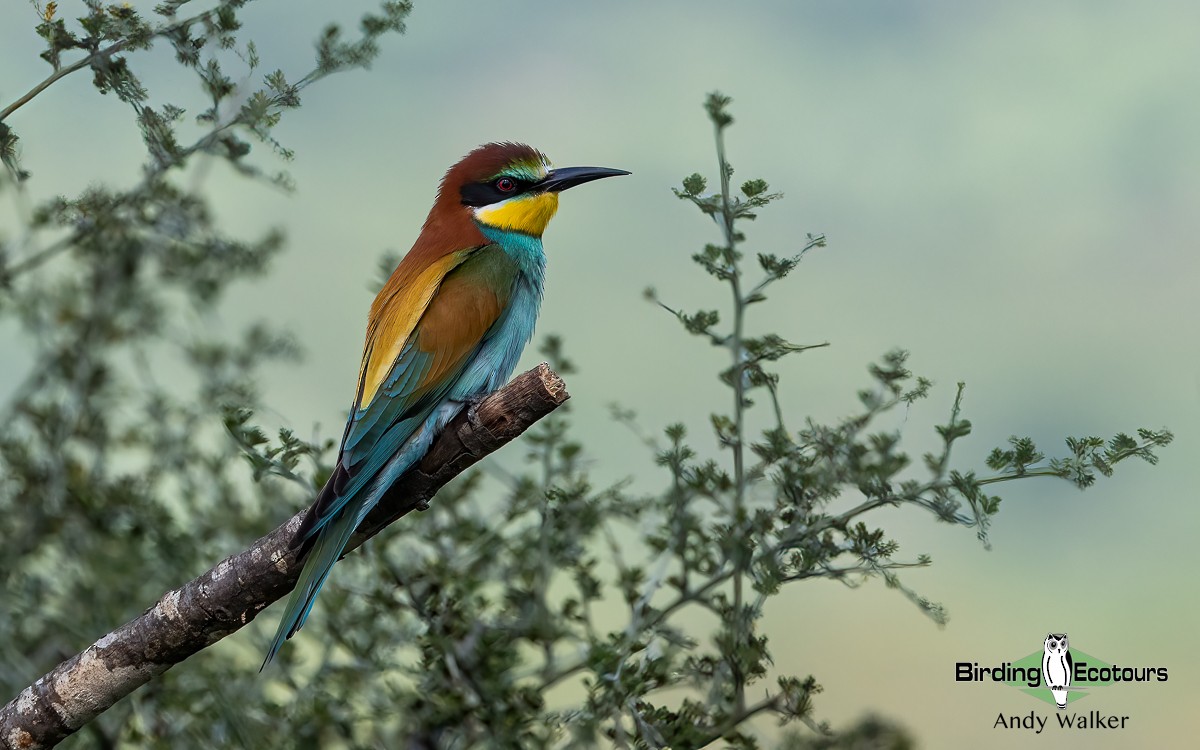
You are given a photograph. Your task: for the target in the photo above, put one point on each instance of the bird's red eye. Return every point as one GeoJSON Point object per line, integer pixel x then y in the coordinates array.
{"type": "Point", "coordinates": [505, 185]}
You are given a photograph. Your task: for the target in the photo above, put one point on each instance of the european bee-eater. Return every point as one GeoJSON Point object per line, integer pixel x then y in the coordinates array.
{"type": "Point", "coordinates": [446, 329]}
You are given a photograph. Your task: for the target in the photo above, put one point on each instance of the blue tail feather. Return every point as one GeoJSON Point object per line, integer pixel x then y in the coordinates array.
{"type": "Point", "coordinates": [326, 551]}
{"type": "Point", "coordinates": [328, 535]}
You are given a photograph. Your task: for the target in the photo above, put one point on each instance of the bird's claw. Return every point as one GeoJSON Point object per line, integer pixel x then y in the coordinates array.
{"type": "Point", "coordinates": [473, 408]}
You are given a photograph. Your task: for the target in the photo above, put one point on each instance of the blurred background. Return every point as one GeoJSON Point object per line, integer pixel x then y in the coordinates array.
{"type": "Point", "coordinates": [1009, 191]}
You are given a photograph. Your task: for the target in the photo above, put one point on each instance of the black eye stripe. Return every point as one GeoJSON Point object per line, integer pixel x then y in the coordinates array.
{"type": "Point", "coordinates": [478, 194]}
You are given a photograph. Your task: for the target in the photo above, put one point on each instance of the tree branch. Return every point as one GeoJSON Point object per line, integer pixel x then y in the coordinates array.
{"type": "Point", "coordinates": [222, 600]}
{"type": "Point", "coordinates": [62, 73]}
{"type": "Point", "coordinates": [97, 55]}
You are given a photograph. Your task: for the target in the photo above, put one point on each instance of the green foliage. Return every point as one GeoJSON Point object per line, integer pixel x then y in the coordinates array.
{"type": "Point", "coordinates": [117, 481]}
{"type": "Point", "coordinates": [528, 607]}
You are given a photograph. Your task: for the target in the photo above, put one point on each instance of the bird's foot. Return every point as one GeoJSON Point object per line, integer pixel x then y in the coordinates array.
{"type": "Point", "coordinates": [473, 408]}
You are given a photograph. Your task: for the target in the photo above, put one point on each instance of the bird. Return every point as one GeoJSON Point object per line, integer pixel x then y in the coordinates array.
{"type": "Point", "coordinates": [445, 330]}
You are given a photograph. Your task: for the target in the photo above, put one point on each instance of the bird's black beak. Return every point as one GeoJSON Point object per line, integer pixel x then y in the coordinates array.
{"type": "Point", "coordinates": [567, 177]}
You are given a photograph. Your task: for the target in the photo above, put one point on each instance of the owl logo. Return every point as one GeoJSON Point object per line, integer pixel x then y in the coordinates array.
{"type": "Point", "coordinates": [1057, 667]}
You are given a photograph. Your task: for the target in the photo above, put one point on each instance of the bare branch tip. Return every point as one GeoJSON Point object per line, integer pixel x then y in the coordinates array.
{"type": "Point", "coordinates": [552, 382]}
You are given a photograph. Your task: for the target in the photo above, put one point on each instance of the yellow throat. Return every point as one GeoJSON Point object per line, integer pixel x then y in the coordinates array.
{"type": "Point", "coordinates": [523, 213]}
